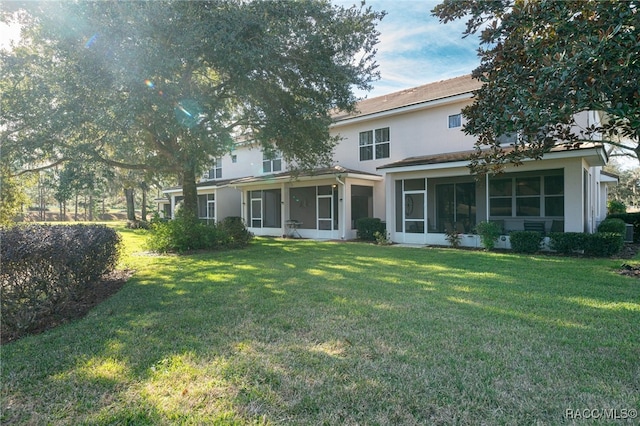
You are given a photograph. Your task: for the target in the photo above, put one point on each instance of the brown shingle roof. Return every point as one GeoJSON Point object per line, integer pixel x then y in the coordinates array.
{"type": "Point", "coordinates": [416, 95]}
{"type": "Point", "coordinates": [324, 171]}
{"type": "Point", "coordinates": [205, 183]}
{"type": "Point", "coordinates": [450, 157]}
{"type": "Point", "coordinates": [430, 159]}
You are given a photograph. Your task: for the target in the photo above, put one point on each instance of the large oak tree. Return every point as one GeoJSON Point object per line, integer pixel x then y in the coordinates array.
{"type": "Point", "coordinates": [541, 63]}
{"type": "Point", "coordinates": [168, 84]}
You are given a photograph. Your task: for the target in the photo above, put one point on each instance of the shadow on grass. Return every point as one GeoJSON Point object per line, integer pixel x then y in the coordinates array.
{"type": "Point", "coordinates": [300, 331]}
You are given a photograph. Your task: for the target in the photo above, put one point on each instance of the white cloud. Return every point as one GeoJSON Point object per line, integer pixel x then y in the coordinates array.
{"type": "Point", "coordinates": [395, 39]}
{"type": "Point", "coordinates": [415, 48]}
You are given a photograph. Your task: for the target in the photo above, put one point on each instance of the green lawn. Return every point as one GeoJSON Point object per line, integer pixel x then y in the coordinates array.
{"type": "Point", "coordinates": [304, 332]}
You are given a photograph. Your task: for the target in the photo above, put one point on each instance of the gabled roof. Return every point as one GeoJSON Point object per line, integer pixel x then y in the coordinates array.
{"type": "Point", "coordinates": [414, 96]}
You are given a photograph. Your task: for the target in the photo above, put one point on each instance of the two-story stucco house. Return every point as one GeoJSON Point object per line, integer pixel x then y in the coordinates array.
{"type": "Point", "coordinates": [403, 158]}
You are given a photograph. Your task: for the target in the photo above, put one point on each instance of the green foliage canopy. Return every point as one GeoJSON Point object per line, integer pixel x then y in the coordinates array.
{"type": "Point", "coordinates": [541, 63]}
{"type": "Point", "coordinates": [12, 196]}
{"type": "Point", "coordinates": [166, 85]}
{"type": "Point", "coordinates": [627, 191]}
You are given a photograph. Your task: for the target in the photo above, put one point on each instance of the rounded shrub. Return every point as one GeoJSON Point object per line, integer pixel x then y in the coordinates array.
{"type": "Point", "coordinates": [525, 241]}
{"type": "Point", "coordinates": [235, 232]}
{"type": "Point", "coordinates": [632, 219]}
{"type": "Point", "coordinates": [489, 233]}
{"type": "Point", "coordinates": [44, 267]}
{"type": "Point", "coordinates": [368, 226]}
{"type": "Point", "coordinates": [613, 225]}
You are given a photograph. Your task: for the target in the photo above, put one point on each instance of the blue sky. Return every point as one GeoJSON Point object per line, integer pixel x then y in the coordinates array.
{"type": "Point", "coordinates": [415, 48]}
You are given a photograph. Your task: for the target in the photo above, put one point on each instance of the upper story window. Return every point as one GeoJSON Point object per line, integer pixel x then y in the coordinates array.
{"type": "Point", "coordinates": [455, 121]}
{"type": "Point", "coordinates": [507, 138]}
{"type": "Point", "coordinates": [374, 144]}
{"type": "Point", "coordinates": [215, 172]}
{"type": "Point", "coordinates": [234, 158]}
{"type": "Point", "coordinates": [510, 138]}
{"type": "Point", "coordinates": [271, 162]}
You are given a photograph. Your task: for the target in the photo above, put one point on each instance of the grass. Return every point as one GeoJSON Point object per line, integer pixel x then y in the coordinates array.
{"type": "Point", "coordinates": [304, 332]}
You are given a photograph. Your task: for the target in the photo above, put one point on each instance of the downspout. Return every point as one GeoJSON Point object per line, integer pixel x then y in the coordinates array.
{"type": "Point", "coordinates": [243, 209]}
{"type": "Point", "coordinates": [344, 206]}
{"type": "Point", "coordinates": [486, 195]}
{"type": "Point", "coordinates": [486, 201]}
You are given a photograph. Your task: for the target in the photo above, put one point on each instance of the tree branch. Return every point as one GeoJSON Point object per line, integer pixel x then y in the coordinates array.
{"type": "Point", "coordinates": [39, 169]}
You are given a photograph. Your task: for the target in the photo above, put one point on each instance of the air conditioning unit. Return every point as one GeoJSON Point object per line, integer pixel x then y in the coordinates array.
{"type": "Point", "coordinates": [628, 236]}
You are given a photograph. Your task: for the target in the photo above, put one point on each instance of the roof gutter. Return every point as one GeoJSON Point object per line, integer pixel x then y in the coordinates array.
{"type": "Point", "coordinates": [401, 109]}
{"type": "Point", "coordinates": [596, 153]}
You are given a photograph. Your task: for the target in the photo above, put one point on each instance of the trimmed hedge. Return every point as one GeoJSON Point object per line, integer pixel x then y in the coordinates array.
{"type": "Point", "coordinates": [567, 242]}
{"type": "Point", "coordinates": [525, 241]}
{"type": "Point", "coordinates": [368, 226]}
{"type": "Point", "coordinates": [603, 244]}
{"type": "Point", "coordinates": [599, 244]}
{"type": "Point", "coordinates": [43, 267]}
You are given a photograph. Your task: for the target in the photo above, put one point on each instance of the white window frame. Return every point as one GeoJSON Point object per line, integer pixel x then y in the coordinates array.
{"type": "Point", "coordinates": [455, 121]}
{"type": "Point", "coordinates": [365, 141]}
{"type": "Point", "coordinates": [255, 208]}
{"type": "Point", "coordinates": [332, 219]}
{"type": "Point", "coordinates": [542, 196]}
{"type": "Point", "coordinates": [211, 206]}
{"type": "Point", "coordinates": [271, 162]}
{"type": "Point", "coordinates": [215, 172]}
{"type": "Point", "coordinates": [209, 209]}
{"type": "Point", "coordinates": [373, 141]}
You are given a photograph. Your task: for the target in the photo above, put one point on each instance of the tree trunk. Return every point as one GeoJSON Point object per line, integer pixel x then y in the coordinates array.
{"type": "Point", "coordinates": [144, 203]}
{"type": "Point", "coordinates": [41, 203]}
{"type": "Point", "coordinates": [131, 206]}
{"type": "Point", "coordinates": [60, 218]}
{"type": "Point", "coordinates": [75, 211]}
{"type": "Point", "coordinates": [41, 206]}
{"type": "Point", "coordinates": [190, 193]}
{"type": "Point", "coordinates": [91, 208]}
